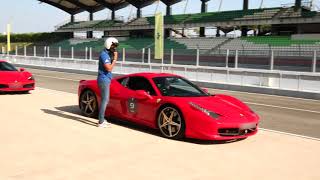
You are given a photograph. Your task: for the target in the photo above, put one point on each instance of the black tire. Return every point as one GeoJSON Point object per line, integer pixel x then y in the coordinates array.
{"type": "Point", "coordinates": [88, 104]}
{"type": "Point", "coordinates": [171, 125]}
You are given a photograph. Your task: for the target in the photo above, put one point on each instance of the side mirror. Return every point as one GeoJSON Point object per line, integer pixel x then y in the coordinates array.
{"type": "Point", "coordinates": [21, 69]}
{"type": "Point", "coordinates": [141, 94]}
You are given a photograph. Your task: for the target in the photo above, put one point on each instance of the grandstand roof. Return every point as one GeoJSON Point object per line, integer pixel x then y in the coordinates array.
{"type": "Point", "coordinates": [77, 6]}
{"type": "Point", "coordinates": [227, 20]}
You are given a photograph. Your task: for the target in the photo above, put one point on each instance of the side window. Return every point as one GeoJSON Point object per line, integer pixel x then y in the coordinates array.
{"type": "Point", "coordinates": [141, 83]}
{"type": "Point", "coordinates": [124, 81]}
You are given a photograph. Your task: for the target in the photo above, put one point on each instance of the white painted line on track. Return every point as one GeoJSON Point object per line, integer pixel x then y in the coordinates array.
{"type": "Point", "coordinates": [290, 134]}
{"type": "Point", "coordinates": [282, 107]}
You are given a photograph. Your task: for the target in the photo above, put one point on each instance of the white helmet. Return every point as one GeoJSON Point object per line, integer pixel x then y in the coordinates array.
{"type": "Point", "coordinates": [109, 41]}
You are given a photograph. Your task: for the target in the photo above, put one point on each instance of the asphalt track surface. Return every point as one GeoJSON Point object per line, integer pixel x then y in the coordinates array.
{"type": "Point", "coordinates": [44, 136]}
{"type": "Point", "coordinates": [285, 114]}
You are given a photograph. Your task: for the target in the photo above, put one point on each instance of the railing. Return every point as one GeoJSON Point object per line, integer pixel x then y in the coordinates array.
{"type": "Point", "coordinates": [300, 61]}
{"type": "Point", "coordinates": [269, 79]}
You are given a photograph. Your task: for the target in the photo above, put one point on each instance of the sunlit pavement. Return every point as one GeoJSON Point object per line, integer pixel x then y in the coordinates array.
{"type": "Point", "coordinates": [43, 136]}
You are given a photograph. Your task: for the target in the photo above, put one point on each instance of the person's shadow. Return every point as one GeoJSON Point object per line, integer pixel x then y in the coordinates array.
{"type": "Point", "coordinates": [61, 112]}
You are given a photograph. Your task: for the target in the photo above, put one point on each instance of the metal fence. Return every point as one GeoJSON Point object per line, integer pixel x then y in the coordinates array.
{"type": "Point", "coordinates": [302, 61]}
{"type": "Point", "coordinates": [275, 79]}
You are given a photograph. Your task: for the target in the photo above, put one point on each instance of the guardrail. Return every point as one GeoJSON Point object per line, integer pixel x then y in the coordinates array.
{"type": "Point", "coordinates": [268, 79]}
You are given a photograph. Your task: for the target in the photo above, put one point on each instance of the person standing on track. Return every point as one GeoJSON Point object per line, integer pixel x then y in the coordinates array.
{"type": "Point", "coordinates": [107, 61]}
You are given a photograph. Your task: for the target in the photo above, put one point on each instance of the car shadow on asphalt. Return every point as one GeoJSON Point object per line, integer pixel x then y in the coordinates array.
{"type": "Point", "coordinates": [126, 124]}
{"type": "Point", "coordinates": [14, 93]}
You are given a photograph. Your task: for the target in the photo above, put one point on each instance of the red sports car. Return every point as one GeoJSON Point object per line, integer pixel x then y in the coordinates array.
{"type": "Point", "coordinates": [12, 79]}
{"type": "Point", "coordinates": [172, 104]}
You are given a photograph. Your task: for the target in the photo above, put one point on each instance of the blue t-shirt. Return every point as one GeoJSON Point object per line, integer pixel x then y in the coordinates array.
{"type": "Point", "coordinates": [105, 58]}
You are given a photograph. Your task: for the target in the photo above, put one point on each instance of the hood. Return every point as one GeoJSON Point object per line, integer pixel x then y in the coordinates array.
{"type": "Point", "coordinates": [13, 76]}
{"type": "Point", "coordinates": [226, 106]}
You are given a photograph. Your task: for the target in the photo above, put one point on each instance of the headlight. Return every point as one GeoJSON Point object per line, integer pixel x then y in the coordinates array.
{"type": "Point", "coordinates": [206, 111]}
{"type": "Point", "coordinates": [31, 78]}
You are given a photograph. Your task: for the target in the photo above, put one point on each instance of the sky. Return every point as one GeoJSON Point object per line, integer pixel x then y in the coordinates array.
{"type": "Point", "coordinates": [28, 16]}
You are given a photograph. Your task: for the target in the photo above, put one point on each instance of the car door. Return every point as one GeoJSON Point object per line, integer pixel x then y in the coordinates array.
{"type": "Point", "coordinates": [141, 109]}
{"type": "Point", "coordinates": [119, 96]}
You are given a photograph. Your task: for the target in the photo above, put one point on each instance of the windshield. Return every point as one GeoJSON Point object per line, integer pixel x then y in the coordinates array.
{"type": "Point", "coordinates": [4, 66]}
{"type": "Point", "coordinates": [178, 87]}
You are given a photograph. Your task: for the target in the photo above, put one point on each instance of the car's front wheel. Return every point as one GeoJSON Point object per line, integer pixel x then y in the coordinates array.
{"type": "Point", "coordinates": [171, 123]}
{"type": "Point", "coordinates": [88, 104]}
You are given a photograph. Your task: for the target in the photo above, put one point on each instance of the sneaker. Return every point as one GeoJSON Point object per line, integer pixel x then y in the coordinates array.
{"type": "Point", "coordinates": [105, 124]}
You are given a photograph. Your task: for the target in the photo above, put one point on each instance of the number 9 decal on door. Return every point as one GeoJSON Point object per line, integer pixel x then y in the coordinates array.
{"type": "Point", "coordinates": [132, 105]}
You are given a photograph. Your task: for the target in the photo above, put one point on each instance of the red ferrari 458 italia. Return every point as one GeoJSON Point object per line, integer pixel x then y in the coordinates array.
{"type": "Point", "coordinates": [172, 104]}
{"type": "Point", "coordinates": [14, 80]}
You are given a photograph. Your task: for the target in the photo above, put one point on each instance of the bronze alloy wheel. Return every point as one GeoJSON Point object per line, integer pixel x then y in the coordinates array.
{"type": "Point", "coordinates": [88, 104]}
{"type": "Point", "coordinates": [170, 123]}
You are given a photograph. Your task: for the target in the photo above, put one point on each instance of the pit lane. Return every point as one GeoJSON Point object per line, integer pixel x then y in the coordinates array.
{"type": "Point", "coordinates": [43, 136]}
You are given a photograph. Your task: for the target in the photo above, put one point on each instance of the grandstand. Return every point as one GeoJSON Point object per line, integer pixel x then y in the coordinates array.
{"type": "Point", "coordinates": [271, 16]}
{"type": "Point", "coordinates": [284, 43]}
{"type": "Point", "coordinates": [280, 17]}
{"type": "Point", "coordinates": [271, 29]}
{"type": "Point", "coordinates": [280, 20]}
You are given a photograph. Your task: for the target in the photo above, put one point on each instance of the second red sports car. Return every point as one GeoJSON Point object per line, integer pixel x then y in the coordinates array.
{"type": "Point", "coordinates": [172, 104]}
{"type": "Point", "coordinates": [12, 79]}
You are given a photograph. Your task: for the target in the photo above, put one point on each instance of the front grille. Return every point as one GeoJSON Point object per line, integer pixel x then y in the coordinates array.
{"type": "Point", "coordinates": [28, 86]}
{"type": "Point", "coordinates": [2, 86]}
{"type": "Point", "coordinates": [235, 131]}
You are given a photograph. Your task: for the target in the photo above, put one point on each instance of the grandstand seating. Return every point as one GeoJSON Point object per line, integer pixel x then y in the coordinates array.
{"type": "Point", "coordinates": [108, 23]}
{"type": "Point", "coordinates": [172, 19]}
{"type": "Point", "coordinates": [264, 43]}
{"type": "Point", "coordinates": [200, 43]}
{"type": "Point", "coordinates": [130, 44]}
{"type": "Point", "coordinates": [264, 14]}
{"type": "Point", "coordinates": [80, 24]}
{"type": "Point", "coordinates": [237, 15]}
{"type": "Point", "coordinates": [136, 43]}
{"type": "Point", "coordinates": [252, 14]}
{"type": "Point", "coordinates": [90, 24]}
{"type": "Point", "coordinates": [217, 16]}
{"type": "Point", "coordinates": [139, 43]}
{"type": "Point", "coordinates": [290, 12]}
{"type": "Point", "coordinates": [307, 14]}
{"type": "Point", "coordinates": [139, 21]}
{"type": "Point", "coordinates": [278, 40]}
{"type": "Point", "coordinates": [272, 43]}
{"type": "Point", "coordinates": [194, 18]}
{"type": "Point", "coordinates": [176, 19]}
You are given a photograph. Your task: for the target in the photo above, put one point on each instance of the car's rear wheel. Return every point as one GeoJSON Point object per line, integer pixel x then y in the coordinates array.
{"type": "Point", "coordinates": [88, 104]}
{"type": "Point", "coordinates": [171, 123]}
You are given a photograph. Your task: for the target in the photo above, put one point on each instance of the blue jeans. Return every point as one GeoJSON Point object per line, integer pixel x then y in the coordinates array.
{"type": "Point", "coordinates": [104, 87]}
